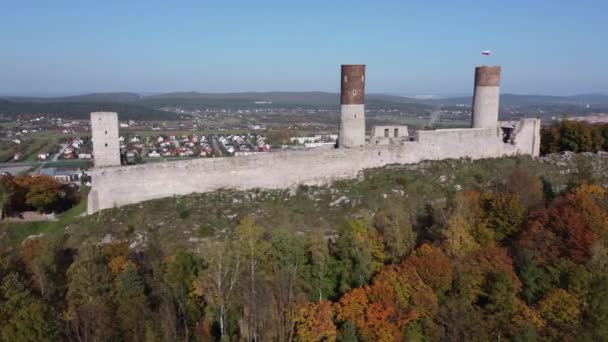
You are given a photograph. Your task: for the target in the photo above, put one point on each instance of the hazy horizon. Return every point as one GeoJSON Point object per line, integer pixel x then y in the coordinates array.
{"type": "Point", "coordinates": [152, 93]}
{"type": "Point", "coordinates": [70, 47]}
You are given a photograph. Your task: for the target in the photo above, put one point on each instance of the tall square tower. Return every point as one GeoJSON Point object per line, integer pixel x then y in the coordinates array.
{"type": "Point", "coordinates": [106, 146]}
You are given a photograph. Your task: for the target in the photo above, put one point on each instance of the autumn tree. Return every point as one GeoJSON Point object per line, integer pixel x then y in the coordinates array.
{"type": "Point", "coordinates": [457, 235]}
{"type": "Point", "coordinates": [314, 322]}
{"type": "Point", "coordinates": [592, 202]}
{"type": "Point", "coordinates": [562, 311]}
{"type": "Point", "coordinates": [38, 255]}
{"type": "Point", "coordinates": [382, 310]}
{"type": "Point", "coordinates": [559, 231]}
{"type": "Point", "coordinates": [525, 186]}
{"type": "Point", "coordinates": [433, 266]}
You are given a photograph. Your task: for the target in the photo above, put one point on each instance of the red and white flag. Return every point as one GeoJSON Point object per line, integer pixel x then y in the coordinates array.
{"type": "Point", "coordinates": [485, 52]}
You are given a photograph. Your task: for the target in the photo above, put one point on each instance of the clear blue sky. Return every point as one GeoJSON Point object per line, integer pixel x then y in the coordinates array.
{"type": "Point", "coordinates": [410, 47]}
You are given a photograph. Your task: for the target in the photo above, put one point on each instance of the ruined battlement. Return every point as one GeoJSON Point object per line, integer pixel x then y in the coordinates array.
{"type": "Point", "coordinates": [115, 185]}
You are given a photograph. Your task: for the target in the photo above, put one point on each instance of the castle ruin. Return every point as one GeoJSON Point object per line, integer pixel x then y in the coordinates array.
{"type": "Point", "coordinates": [115, 185]}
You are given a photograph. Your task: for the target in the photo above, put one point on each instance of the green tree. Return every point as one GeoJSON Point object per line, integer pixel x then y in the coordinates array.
{"type": "Point", "coordinates": [499, 302]}
{"type": "Point", "coordinates": [255, 252]}
{"type": "Point", "coordinates": [89, 313]}
{"type": "Point", "coordinates": [220, 279]}
{"type": "Point", "coordinates": [4, 197]}
{"type": "Point", "coordinates": [348, 333]}
{"type": "Point", "coordinates": [535, 279]}
{"type": "Point", "coordinates": [180, 272]}
{"type": "Point", "coordinates": [503, 213]}
{"type": "Point", "coordinates": [22, 316]}
{"type": "Point", "coordinates": [596, 313]}
{"type": "Point", "coordinates": [43, 194]}
{"type": "Point", "coordinates": [131, 305]}
{"type": "Point", "coordinates": [322, 281]}
{"type": "Point", "coordinates": [288, 257]}
{"type": "Point", "coordinates": [395, 225]}
{"type": "Point", "coordinates": [360, 253]}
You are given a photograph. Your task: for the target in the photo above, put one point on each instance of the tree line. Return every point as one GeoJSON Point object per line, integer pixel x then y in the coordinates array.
{"type": "Point", "coordinates": [574, 136]}
{"type": "Point", "coordinates": [513, 263]}
{"type": "Point", "coordinates": [40, 193]}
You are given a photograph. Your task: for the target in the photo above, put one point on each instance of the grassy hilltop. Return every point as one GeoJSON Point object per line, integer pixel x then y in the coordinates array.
{"type": "Point", "coordinates": [193, 219]}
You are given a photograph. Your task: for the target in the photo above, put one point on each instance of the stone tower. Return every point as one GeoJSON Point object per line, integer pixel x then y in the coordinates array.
{"type": "Point", "coordinates": [352, 101]}
{"type": "Point", "coordinates": [104, 131]}
{"type": "Point", "coordinates": [486, 97]}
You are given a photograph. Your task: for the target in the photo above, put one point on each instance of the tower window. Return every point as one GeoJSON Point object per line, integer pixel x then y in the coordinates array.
{"type": "Point", "coordinates": [362, 78]}
{"type": "Point", "coordinates": [106, 132]}
{"type": "Point", "coordinates": [354, 91]}
{"type": "Point", "coordinates": [106, 144]}
{"type": "Point", "coordinates": [396, 132]}
{"type": "Point", "coordinates": [386, 132]}
{"type": "Point", "coordinates": [345, 79]}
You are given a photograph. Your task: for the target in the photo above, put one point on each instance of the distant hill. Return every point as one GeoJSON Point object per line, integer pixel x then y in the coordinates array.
{"type": "Point", "coordinates": [137, 106]}
{"type": "Point", "coordinates": [267, 99]}
{"type": "Point", "coordinates": [93, 97]}
{"type": "Point", "coordinates": [82, 110]}
{"type": "Point", "coordinates": [316, 99]}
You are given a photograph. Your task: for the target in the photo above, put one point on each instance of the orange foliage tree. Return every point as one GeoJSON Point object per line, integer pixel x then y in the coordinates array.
{"type": "Point", "coordinates": [433, 266]}
{"type": "Point", "coordinates": [314, 322]}
{"type": "Point", "coordinates": [559, 231]}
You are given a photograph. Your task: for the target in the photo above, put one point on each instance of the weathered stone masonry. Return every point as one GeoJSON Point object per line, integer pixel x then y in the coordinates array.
{"type": "Point", "coordinates": [121, 185]}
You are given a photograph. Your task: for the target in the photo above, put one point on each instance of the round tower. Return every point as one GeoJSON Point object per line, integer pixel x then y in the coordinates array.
{"type": "Point", "coordinates": [486, 97]}
{"type": "Point", "coordinates": [352, 101]}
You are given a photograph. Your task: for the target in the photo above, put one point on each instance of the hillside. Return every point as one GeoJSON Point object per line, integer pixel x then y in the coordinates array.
{"type": "Point", "coordinates": [93, 97]}
{"type": "Point", "coordinates": [189, 220]}
{"type": "Point", "coordinates": [503, 248]}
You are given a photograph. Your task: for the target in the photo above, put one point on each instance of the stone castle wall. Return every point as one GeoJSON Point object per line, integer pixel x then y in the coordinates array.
{"type": "Point", "coordinates": [120, 185]}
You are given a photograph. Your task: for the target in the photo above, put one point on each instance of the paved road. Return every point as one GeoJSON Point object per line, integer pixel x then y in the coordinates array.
{"type": "Point", "coordinates": [18, 164]}
{"type": "Point", "coordinates": [56, 156]}
{"type": "Point", "coordinates": [39, 165]}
